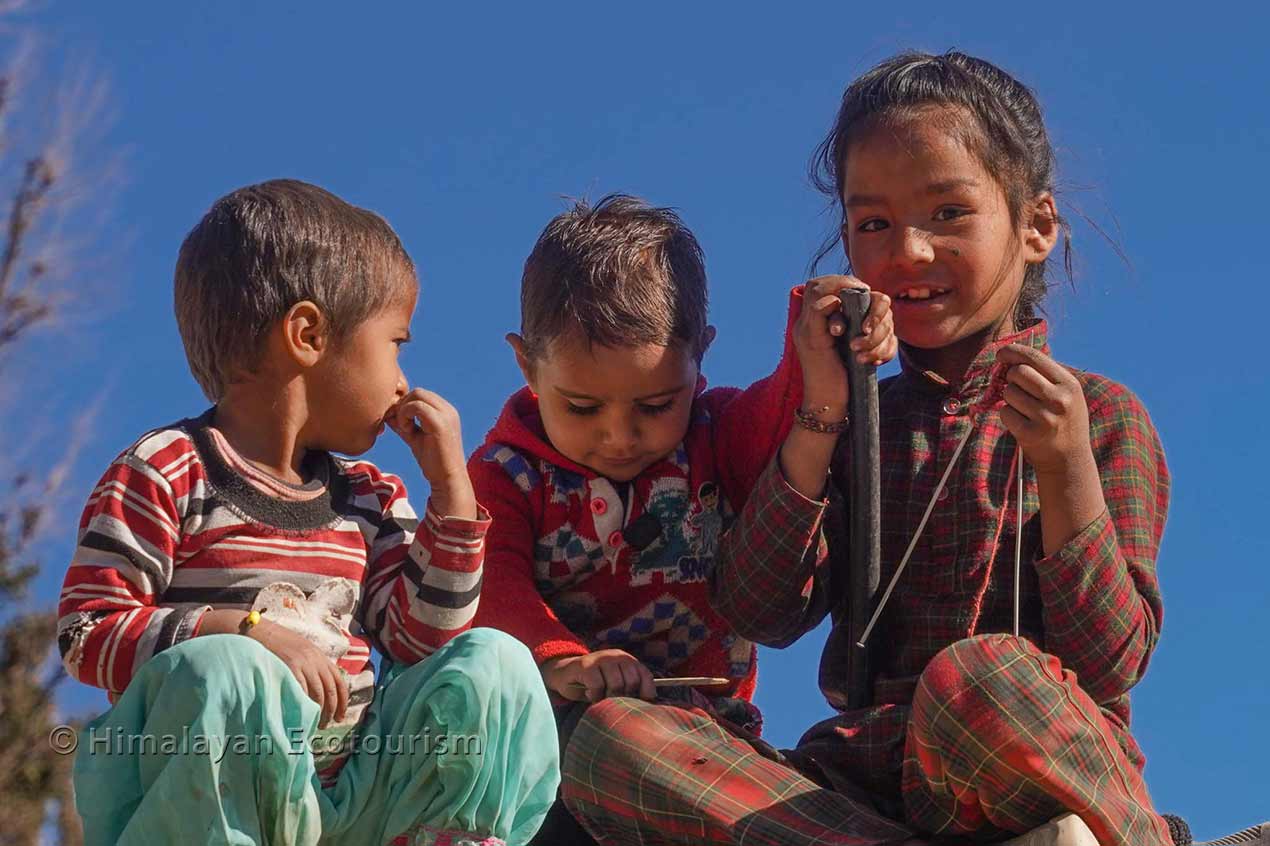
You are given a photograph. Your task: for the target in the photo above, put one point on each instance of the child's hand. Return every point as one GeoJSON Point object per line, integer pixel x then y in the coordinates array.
{"type": "Point", "coordinates": [1045, 410]}
{"type": "Point", "coordinates": [430, 427]}
{"type": "Point", "coordinates": [321, 679]}
{"type": "Point", "coordinates": [816, 333]}
{"type": "Point", "coordinates": [590, 678]}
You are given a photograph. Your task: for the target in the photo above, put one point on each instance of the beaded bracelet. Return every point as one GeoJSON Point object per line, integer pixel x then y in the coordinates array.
{"type": "Point", "coordinates": [249, 622]}
{"type": "Point", "coordinates": [807, 419]}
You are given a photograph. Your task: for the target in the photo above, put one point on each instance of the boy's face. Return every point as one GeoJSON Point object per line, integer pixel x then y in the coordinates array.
{"type": "Point", "coordinates": [358, 379]}
{"type": "Point", "coordinates": [616, 411]}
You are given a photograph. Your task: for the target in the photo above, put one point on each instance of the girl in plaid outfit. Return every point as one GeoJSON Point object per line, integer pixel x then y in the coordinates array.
{"type": "Point", "coordinates": [944, 176]}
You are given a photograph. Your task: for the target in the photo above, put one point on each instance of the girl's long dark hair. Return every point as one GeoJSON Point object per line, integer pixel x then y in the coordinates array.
{"type": "Point", "coordinates": [1004, 130]}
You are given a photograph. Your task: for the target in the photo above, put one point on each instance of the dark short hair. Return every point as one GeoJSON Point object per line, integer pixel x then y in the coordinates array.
{"type": "Point", "coordinates": [1004, 130]}
{"type": "Point", "coordinates": [621, 272]}
{"type": "Point", "coordinates": [263, 248]}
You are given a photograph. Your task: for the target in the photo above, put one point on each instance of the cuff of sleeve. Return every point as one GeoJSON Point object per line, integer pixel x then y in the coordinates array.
{"type": "Point", "coordinates": [181, 626]}
{"type": "Point", "coordinates": [776, 489]}
{"type": "Point", "coordinates": [549, 649]}
{"type": "Point", "coordinates": [461, 526]}
{"type": "Point", "coordinates": [1070, 563]}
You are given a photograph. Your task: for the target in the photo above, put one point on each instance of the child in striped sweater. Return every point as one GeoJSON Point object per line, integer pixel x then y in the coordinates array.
{"type": "Point", "coordinates": [232, 575]}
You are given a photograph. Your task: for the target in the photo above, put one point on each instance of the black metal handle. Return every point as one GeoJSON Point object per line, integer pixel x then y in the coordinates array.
{"type": "Point", "coordinates": [864, 571]}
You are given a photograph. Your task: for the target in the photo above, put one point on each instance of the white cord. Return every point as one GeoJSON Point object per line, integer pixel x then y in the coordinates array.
{"type": "Point", "coordinates": [864, 636]}
{"type": "Point", "coordinates": [1018, 546]}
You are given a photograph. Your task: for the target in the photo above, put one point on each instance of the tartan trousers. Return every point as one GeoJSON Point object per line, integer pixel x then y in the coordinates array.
{"type": "Point", "coordinates": [1000, 740]}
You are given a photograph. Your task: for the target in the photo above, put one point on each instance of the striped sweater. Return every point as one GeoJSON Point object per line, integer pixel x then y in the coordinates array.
{"type": "Point", "coordinates": [179, 524]}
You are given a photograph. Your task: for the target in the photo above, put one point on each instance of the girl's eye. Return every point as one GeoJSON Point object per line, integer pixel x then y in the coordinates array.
{"type": "Point", "coordinates": [653, 410]}
{"type": "Point", "coordinates": [873, 224]}
{"type": "Point", "coordinates": [951, 213]}
{"type": "Point", "coordinates": [582, 410]}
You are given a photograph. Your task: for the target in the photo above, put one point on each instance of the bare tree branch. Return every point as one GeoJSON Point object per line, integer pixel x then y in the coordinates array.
{"type": "Point", "coordinates": [37, 187]}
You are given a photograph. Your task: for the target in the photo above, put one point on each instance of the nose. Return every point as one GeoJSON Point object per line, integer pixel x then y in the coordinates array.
{"type": "Point", "coordinates": [403, 387]}
{"type": "Point", "coordinates": [913, 246]}
{"type": "Point", "coordinates": [621, 435]}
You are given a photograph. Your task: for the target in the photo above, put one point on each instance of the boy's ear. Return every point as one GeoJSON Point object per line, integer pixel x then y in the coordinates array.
{"type": "Point", "coordinates": [306, 333]}
{"type": "Point", "coordinates": [526, 366]}
{"type": "Point", "coordinates": [1041, 229]}
{"type": "Point", "coordinates": [707, 338]}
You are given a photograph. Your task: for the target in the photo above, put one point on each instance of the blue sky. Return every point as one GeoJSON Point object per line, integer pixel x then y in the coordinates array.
{"type": "Point", "coordinates": [464, 127]}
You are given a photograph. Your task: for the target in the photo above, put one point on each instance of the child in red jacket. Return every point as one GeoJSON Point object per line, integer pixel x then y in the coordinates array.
{"type": "Point", "coordinates": [611, 477]}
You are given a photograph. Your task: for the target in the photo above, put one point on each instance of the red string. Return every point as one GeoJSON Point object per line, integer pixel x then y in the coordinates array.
{"type": "Point", "coordinates": [977, 607]}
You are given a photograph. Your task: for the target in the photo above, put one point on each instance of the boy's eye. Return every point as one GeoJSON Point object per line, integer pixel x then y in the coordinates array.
{"type": "Point", "coordinates": [582, 410]}
{"type": "Point", "coordinates": [653, 410]}
{"type": "Point", "coordinates": [873, 224]}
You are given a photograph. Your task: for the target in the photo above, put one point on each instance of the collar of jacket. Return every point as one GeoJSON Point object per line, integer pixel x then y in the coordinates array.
{"type": "Point", "coordinates": [982, 369]}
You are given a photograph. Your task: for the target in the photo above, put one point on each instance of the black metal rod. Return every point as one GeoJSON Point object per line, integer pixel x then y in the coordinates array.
{"type": "Point", "coordinates": [864, 522]}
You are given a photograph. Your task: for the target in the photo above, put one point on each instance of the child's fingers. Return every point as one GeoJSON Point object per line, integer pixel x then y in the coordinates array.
{"type": "Point", "coordinates": [876, 332]}
{"type": "Point", "coordinates": [647, 690]}
{"type": "Point", "coordinates": [342, 693]}
{"type": "Point", "coordinates": [426, 410]}
{"type": "Point", "coordinates": [417, 416]}
{"type": "Point", "coordinates": [298, 672]}
{"type": "Point", "coordinates": [822, 294]}
{"type": "Point", "coordinates": [1043, 364]}
{"type": "Point", "coordinates": [614, 682]}
{"type": "Point", "coordinates": [890, 350]}
{"type": "Point", "coordinates": [594, 683]}
{"type": "Point", "coordinates": [1024, 403]}
{"type": "Point", "coordinates": [431, 399]}
{"type": "Point", "coordinates": [577, 690]}
{"type": "Point", "coordinates": [631, 681]}
{"type": "Point", "coordinates": [879, 312]}
{"type": "Point", "coordinates": [1027, 378]}
{"type": "Point", "coordinates": [827, 303]}
{"type": "Point", "coordinates": [315, 689]}
{"type": "Point", "coordinates": [879, 303]}
{"type": "Point", "coordinates": [834, 283]}
{"type": "Point", "coordinates": [330, 690]}
{"type": "Point", "coordinates": [1018, 425]}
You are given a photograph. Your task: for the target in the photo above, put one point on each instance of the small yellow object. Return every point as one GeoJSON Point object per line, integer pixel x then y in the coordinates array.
{"type": "Point", "coordinates": [252, 618]}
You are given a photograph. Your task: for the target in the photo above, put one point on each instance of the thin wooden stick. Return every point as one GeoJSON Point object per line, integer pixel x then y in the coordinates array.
{"type": "Point", "coordinates": [678, 681]}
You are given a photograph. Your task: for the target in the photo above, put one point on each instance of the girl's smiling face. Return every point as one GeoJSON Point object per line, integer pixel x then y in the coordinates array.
{"type": "Point", "coordinates": [927, 225]}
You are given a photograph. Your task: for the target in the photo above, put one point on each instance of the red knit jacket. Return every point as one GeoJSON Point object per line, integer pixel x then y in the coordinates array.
{"type": "Point", "coordinates": [570, 568]}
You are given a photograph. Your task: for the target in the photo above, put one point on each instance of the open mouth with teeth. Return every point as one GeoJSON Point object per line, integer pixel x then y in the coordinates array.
{"type": "Point", "coordinates": [921, 294]}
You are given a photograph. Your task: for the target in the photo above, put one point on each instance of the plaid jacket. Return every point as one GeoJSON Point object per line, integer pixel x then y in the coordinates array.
{"type": "Point", "coordinates": [1095, 604]}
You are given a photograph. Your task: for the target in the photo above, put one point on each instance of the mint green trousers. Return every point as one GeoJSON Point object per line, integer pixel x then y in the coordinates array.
{"type": "Point", "coordinates": [210, 744]}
